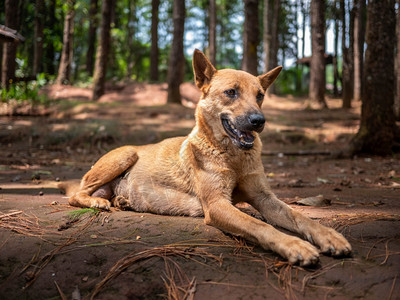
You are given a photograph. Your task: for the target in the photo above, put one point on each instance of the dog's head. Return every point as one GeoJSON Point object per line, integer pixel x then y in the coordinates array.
{"type": "Point", "coordinates": [232, 100]}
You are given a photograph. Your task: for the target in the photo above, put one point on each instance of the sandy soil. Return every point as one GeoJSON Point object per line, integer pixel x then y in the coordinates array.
{"type": "Point", "coordinates": [50, 250]}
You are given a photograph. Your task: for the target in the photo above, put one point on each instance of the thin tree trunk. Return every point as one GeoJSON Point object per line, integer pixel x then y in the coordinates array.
{"type": "Point", "coordinates": [303, 27]}
{"type": "Point", "coordinates": [274, 36]}
{"type": "Point", "coordinates": [49, 50]}
{"type": "Point", "coordinates": [377, 129]}
{"type": "Point", "coordinates": [154, 40]}
{"type": "Point", "coordinates": [397, 100]}
{"type": "Point", "coordinates": [336, 48]}
{"type": "Point", "coordinates": [274, 46]}
{"type": "Point", "coordinates": [296, 52]}
{"type": "Point", "coordinates": [38, 42]}
{"type": "Point", "coordinates": [91, 36]}
{"type": "Point", "coordinates": [9, 49]}
{"type": "Point", "coordinates": [131, 36]}
{"type": "Point", "coordinates": [100, 69]}
{"type": "Point", "coordinates": [176, 59]}
{"type": "Point", "coordinates": [303, 36]}
{"type": "Point", "coordinates": [250, 37]}
{"type": "Point", "coordinates": [266, 35]}
{"type": "Point", "coordinates": [347, 69]}
{"type": "Point", "coordinates": [359, 6]}
{"type": "Point", "coordinates": [317, 70]}
{"type": "Point", "coordinates": [212, 40]}
{"type": "Point", "coordinates": [64, 70]}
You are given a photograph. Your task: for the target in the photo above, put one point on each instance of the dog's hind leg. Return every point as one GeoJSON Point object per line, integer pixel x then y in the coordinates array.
{"type": "Point", "coordinates": [95, 189]}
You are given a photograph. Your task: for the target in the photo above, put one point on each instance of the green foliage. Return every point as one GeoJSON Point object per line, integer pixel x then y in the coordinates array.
{"type": "Point", "coordinates": [26, 91]}
{"type": "Point", "coordinates": [290, 81]}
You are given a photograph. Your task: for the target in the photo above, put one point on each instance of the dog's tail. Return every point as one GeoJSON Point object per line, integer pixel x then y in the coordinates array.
{"type": "Point", "coordinates": [70, 187]}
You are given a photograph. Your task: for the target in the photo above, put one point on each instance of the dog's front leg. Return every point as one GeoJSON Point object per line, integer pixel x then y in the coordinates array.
{"type": "Point", "coordinates": [279, 213]}
{"type": "Point", "coordinates": [219, 212]}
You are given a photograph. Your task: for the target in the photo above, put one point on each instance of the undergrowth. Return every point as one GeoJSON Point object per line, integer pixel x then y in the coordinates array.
{"type": "Point", "coordinates": [26, 91]}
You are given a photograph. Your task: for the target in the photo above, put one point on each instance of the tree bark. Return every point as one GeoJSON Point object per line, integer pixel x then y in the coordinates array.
{"type": "Point", "coordinates": [49, 49]}
{"type": "Point", "coordinates": [100, 69]}
{"type": "Point", "coordinates": [9, 49]}
{"type": "Point", "coordinates": [397, 100]}
{"type": "Point", "coordinates": [64, 70]}
{"type": "Point", "coordinates": [176, 58]}
{"type": "Point", "coordinates": [38, 42]}
{"type": "Point", "coordinates": [359, 33]}
{"type": "Point", "coordinates": [212, 30]}
{"type": "Point", "coordinates": [250, 37]}
{"type": "Point", "coordinates": [91, 36]}
{"type": "Point", "coordinates": [347, 66]}
{"type": "Point", "coordinates": [266, 35]}
{"type": "Point", "coordinates": [274, 35]}
{"type": "Point", "coordinates": [335, 55]}
{"type": "Point", "coordinates": [131, 27]}
{"type": "Point", "coordinates": [377, 129]}
{"type": "Point", "coordinates": [317, 68]}
{"type": "Point", "coordinates": [154, 40]}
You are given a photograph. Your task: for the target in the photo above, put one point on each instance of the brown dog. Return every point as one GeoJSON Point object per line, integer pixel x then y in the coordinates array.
{"type": "Point", "coordinates": [209, 171]}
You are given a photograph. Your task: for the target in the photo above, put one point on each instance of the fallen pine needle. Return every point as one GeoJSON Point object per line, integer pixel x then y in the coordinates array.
{"type": "Point", "coordinates": [62, 295]}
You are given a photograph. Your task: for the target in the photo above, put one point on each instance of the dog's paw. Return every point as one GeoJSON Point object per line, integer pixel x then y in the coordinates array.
{"type": "Point", "coordinates": [331, 242]}
{"type": "Point", "coordinates": [121, 202]}
{"type": "Point", "coordinates": [97, 202]}
{"type": "Point", "coordinates": [297, 251]}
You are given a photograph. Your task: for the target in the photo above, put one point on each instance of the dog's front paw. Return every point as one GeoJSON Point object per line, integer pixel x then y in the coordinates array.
{"type": "Point", "coordinates": [331, 242]}
{"type": "Point", "coordinates": [297, 251]}
{"type": "Point", "coordinates": [97, 202]}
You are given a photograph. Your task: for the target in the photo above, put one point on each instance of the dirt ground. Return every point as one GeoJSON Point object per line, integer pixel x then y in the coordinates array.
{"type": "Point", "coordinates": [49, 250]}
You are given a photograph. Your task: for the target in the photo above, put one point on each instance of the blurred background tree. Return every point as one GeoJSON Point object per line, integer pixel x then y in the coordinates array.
{"type": "Point", "coordinates": [143, 43]}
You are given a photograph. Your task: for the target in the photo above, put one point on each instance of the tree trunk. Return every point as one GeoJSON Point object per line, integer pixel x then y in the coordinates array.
{"type": "Point", "coordinates": [274, 36]}
{"type": "Point", "coordinates": [335, 55]}
{"type": "Point", "coordinates": [64, 70]}
{"type": "Point", "coordinates": [212, 30]}
{"type": "Point", "coordinates": [397, 102]}
{"type": "Point", "coordinates": [377, 129]}
{"type": "Point", "coordinates": [317, 68]}
{"type": "Point", "coordinates": [91, 36]}
{"type": "Point", "coordinates": [347, 67]}
{"type": "Point", "coordinates": [250, 37]}
{"type": "Point", "coordinates": [131, 36]}
{"type": "Point", "coordinates": [154, 40]}
{"type": "Point", "coordinates": [9, 49]}
{"type": "Point", "coordinates": [176, 58]}
{"type": "Point", "coordinates": [49, 49]}
{"type": "Point", "coordinates": [38, 42]}
{"type": "Point", "coordinates": [100, 68]}
{"type": "Point", "coordinates": [359, 32]}
{"type": "Point", "coordinates": [303, 27]}
{"type": "Point", "coordinates": [266, 35]}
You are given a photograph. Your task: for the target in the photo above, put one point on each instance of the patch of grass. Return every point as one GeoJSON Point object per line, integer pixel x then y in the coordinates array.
{"type": "Point", "coordinates": [79, 213]}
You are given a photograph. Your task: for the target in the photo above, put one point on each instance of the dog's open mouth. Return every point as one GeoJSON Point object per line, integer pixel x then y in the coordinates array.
{"type": "Point", "coordinates": [242, 139]}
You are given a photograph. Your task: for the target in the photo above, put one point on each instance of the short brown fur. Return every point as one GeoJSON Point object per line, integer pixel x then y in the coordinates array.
{"type": "Point", "coordinates": [206, 173]}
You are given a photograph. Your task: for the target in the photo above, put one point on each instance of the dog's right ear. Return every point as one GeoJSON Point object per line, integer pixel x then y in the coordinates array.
{"type": "Point", "coordinates": [202, 68]}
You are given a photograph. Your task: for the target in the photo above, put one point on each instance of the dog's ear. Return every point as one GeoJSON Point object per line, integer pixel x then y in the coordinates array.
{"type": "Point", "coordinates": [267, 79]}
{"type": "Point", "coordinates": [202, 68]}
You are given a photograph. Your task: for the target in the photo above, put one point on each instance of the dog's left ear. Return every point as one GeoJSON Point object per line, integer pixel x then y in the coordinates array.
{"type": "Point", "coordinates": [267, 79]}
{"type": "Point", "coordinates": [202, 68]}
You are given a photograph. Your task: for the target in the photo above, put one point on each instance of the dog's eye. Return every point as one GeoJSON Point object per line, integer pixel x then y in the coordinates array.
{"type": "Point", "coordinates": [260, 97]}
{"type": "Point", "coordinates": [231, 93]}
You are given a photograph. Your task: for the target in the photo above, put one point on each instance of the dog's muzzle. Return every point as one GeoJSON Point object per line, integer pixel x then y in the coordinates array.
{"type": "Point", "coordinates": [241, 130]}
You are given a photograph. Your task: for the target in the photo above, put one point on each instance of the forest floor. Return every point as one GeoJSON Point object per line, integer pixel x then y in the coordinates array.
{"type": "Point", "coordinates": [49, 250]}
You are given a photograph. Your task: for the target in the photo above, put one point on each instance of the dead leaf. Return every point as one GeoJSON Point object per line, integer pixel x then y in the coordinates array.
{"type": "Point", "coordinates": [314, 201]}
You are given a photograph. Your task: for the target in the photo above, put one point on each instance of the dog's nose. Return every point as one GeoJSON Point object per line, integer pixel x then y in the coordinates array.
{"type": "Point", "coordinates": [257, 121]}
